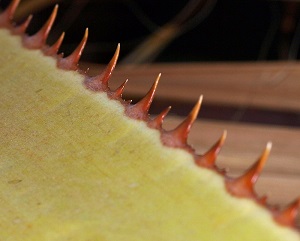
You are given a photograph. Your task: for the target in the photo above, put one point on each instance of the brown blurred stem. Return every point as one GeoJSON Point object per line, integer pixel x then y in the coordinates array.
{"type": "Point", "coordinates": [32, 6]}
{"type": "Point", "coordinates": [189, 17]}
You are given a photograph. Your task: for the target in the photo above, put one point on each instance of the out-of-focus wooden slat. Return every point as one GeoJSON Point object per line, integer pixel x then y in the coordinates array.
{"type": "Point", "coordinates": [244, 144]}
{"type": "Point", "coordinates": [270, 86]}
{"type": "Point", "coordinates": [273, 86]}
{"type": "Point", "coordinates": [280, 179]}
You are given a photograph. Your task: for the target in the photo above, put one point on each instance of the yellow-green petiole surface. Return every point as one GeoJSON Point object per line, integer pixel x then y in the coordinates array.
{"type": "Point", "coordinates": [74, 167]}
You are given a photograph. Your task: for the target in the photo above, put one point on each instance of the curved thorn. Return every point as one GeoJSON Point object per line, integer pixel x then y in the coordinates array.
{"type": "Point", "coordinates": [100, 82]}
{"type": "Point", "coordinates": [145, 103]}
{"type": "Point", "coordinates": [289, 214]}
{"type": "Point", "coordinates": [244, 186]}
{"type": "Point", "coordinates": [71, 62]}
{"type": "Point", "coordinates": [8, 14]}
{"type": "Point", "coordinates": [119, 91]}
{"type": "Point", "coordinates": [22, 27]}
{"type": "Point", "coordinates": [209, 158]}
{"type": "Point", "coordinates": [182, 131]}
{"type": "Point", "coordinates": [110, 67]}
{"type": "Point", "coordinates": [158, 120]}
{"type": "Point", "coordinates": [39, 39]}
{"type": "Point", "coordinates": [52, 50]}
{"type": "Point", "coordinates": [140, 110]}
{"type": "Point", "coordinates": [178, 136]}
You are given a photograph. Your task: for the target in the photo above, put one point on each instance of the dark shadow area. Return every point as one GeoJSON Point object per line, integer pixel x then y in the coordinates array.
{"type": "Point", "coordinates": [207, 30]}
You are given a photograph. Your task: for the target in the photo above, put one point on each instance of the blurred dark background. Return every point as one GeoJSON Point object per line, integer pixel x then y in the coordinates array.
{"type": "Point", "coordinates": [173, 31]}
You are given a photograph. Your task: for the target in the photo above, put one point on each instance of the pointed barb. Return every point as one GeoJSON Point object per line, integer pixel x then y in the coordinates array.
{"type": "Point", "coordinates": [110, 68]}
{"type": "Point", "coordinates": [71, 62]}
{"type": "Point", "coordinates": [6, 17]}
{"type": "Point", "coordinates": [178, 137]}
{"type": "Point", "coordinates": [157, 122]}
{"type": "Point", "coordinates": [288, 215]}
{"type": "Point", "coordinates": [100, 82]}
{"type": "Point", "coordinates": [253, 173]}
{"type": "Point", "coordinates": [180, 134]}
{"type": "Point", "coordinates": [145, 103]}
{"type": "Point", "coordinates": [22, 27]}
{"type": "Point", "coordinates": [119, 91]}
{"type": "Point", "coordinates": [140, 110]}
{"type": "Point", "coordinates": [209, 158]}
{"type": "Point", "coordinates": [52, 50]}
{"type": "Point", "coordinates": [38, 40]}
{"type": "Point", "coordinates": [244, 186]}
